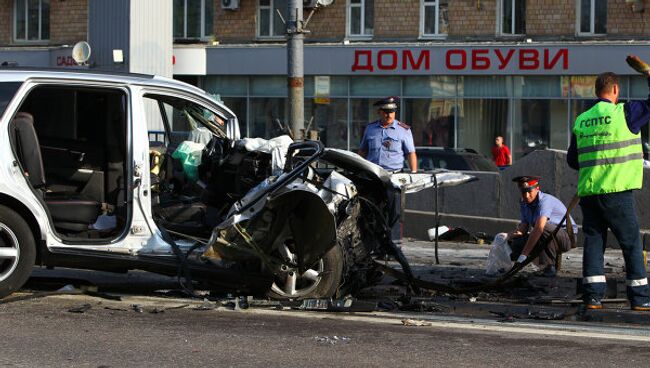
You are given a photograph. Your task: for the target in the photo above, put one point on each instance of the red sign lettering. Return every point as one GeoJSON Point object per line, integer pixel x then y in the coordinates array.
{"type": "Point", "coordinates": [357, 60]}
{"type": "Point", "coordinates": [479, 59]}
{"type": "Point", "coordinates": [392, 57]}
{"type": "Point", "coordinates": [407, 59]}
{"type": "Point", "coordinates": [528, 59]}
{"type": "Point", "coordinates": [562, 53]}
{"type": "Point", "coordinates": [65, 61]}
{"type": "Point", "coordinates": [504, 61]}
{"type": "Point", "coordinates": [480, 62]}
{"type": "Point", "coordinates": [463, 60]}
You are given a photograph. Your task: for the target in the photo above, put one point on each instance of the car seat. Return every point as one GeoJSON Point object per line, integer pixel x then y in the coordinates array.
{"type": "Point", "coordinates": [69, 210]}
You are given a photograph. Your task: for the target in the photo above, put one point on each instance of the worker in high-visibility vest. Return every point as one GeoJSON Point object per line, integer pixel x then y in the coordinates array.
{"type": "Point", "coordinates": [606, 149]}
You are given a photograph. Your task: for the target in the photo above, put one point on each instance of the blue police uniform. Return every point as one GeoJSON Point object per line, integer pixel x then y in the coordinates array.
{"type": "Point", "coordinates": [544, 205]}
{"type": "Point", "coordinates": [387, 147]}
{"type": "Point", "coordinates": [547, 206]}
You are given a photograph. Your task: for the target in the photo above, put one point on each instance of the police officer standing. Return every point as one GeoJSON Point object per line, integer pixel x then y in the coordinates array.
{"type": "Point", "coordinates": [606, 149]}
{"type": "Point", "coordinates": [387, 142]}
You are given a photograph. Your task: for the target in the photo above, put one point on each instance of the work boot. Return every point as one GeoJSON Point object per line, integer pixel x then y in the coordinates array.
{"type": "Point", "coordinates": [643, 307]}
{"type": "Point", "coordinates": [549, 271]}
{"type": "Point", "coordinates": [593, 303]}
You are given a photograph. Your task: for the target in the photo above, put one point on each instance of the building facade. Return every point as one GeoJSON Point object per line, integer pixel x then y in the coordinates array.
{"type": "Point", "coordinates": [465, 70]}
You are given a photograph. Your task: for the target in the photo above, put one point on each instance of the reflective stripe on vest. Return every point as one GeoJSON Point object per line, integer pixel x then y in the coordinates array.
{"type": "Point", "coordinates": [609, 155]}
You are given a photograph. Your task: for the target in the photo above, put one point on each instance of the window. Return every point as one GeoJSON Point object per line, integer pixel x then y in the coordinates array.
{"type": "Point", "coordinates": [269, 22]}
{"type": "Point", "coordinates": [592, 17]}
{"type": "Point", "coordinates": [432, 120]}
{"type": "Point", "coordinates": [193, 18]}
{"type": "Point", "coordinates": [32, 20]}
{"type": "Point", "coordinates": [480, 120]}
{"type": "Point", "coordinates": [360, 18]}
{"type": "Point", "coordinates": [433, 17]}
{"type": "Point", "coordinates": [513, 17]}
{"type": "Point", "coordinates": [184, 120]}
{"type": "Point", "coordinates": [7, 92]}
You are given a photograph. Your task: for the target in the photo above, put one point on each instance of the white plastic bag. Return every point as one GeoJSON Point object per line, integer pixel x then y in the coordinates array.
{"type": "Point", "coordinates": [498, 260]}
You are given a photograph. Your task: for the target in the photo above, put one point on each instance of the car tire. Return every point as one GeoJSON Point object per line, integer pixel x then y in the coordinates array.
{"type": "Point", "coordinates": [17, 251]}
{"type": "Point", "coordinates": [343, 270]}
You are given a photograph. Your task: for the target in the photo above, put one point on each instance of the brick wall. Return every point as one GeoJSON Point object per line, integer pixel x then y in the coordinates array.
{"type": "Point", "coordinates": [550, 18]}
{"type": "Point", "coordinates": [68, 21]}
{"type": "Point", "coordinates": [622, 21]}
{"type": "Point", "coordinates": [233, 26]}
{"type": "Point", "coordinates": [240, 25]}
{"type": "Point", "coordinates": [6, 21]}
{"type": "Point", "coordinates": [397, 19]}
{"type": "Point", "coordinates": [472, 18]}
{"type": "Point", "coordinates": [328, 24]}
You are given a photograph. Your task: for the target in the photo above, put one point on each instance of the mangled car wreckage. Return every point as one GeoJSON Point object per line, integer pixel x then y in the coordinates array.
{"type": "Point", "coordinates": [119, 172]}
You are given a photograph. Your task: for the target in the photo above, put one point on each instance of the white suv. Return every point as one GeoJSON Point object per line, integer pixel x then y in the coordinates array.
{"type": "Point", "coordinates": [84, 183]}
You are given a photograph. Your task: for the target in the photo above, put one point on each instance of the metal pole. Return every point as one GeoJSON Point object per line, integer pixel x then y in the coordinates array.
{"type": "Point", "coordinates": [435, 183]}
{"type": "Point", "coordinates": [295, 70]}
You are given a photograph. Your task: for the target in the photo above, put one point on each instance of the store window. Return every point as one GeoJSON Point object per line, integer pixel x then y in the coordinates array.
{"type": "Point", "coordinates": [362, 113]}
{"type": "Point", "coordinates": [375, 86]}
{"type": "Point", "coordinates": [432, 121]}
{"type": "Point", "coordinates": [32, 20]}
{"type": "Point", "coordinates": [193, 19]}
{"type": "Point", "coordinates": [639, 87]}
{"type": "Point", "coordinates": [430, 86]}
{"type": "Point", "coordinates": [430, 108]}
{"type": "Point", "coordinates": [269, 22]}
{"type": "Point", "coordinates": [327, 120]}
{"type": "Point", "coordinates": [268, 117]}
{"type": "Point", "coordinates": [433, 18]}
{"type": "Point", "coordinates": [361, 14]}
{"type": "Point", "coordinates": [592, 17]}
{"type": "Point", "coordinates": [238, 106]}
{"type": "Point", "coordinates": [480, 121]}
{"type": "Point", "coordinates": [513, 17]}
{"type": "Point", "coordinates": [539, 124]}
{"type": "Point", "coordinates": [485, 86]}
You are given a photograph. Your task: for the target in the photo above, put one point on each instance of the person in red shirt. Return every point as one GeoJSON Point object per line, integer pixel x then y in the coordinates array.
{"type": "Point", "coordinates": [501, 153]}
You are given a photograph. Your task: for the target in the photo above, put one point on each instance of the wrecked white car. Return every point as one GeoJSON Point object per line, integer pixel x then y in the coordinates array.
{"type": "Point", "coordinates": [85, 184]}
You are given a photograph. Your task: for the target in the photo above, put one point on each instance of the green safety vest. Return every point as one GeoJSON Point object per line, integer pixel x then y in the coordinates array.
{"type": "Point", "coordinates": [610, 156]}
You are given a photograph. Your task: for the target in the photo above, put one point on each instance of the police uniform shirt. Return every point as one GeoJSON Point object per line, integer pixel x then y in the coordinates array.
{"type": "Point", "coordinates": [547, 206]}
{"type": "Point", "coordinates": [386, 147]}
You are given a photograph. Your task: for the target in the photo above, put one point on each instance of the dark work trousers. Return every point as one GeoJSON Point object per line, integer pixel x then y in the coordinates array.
{"type": "Point", "coordinates": [394, 215]}
{"type": "Point", "coordinates": [615, 211]}
{"type": "Point", "coordinates": [548, 256]}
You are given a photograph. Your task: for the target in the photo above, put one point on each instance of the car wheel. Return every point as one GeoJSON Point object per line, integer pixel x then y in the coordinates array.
{"type": "Point", "coordinates": [319, 281]}
{"type": "Point", "coordinates": [17, 251]}
{"type": "Point", "coordinates": [343, 270]}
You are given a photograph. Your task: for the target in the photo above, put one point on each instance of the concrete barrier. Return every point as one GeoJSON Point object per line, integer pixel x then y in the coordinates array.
{"type": "Point", "coordinates": [491, 204]}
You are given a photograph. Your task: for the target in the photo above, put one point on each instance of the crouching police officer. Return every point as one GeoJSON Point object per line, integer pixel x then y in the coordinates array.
{"type": "Point", "coordinates": [540, 213]}
{"type": "Point", "coordinates": [387, 142]}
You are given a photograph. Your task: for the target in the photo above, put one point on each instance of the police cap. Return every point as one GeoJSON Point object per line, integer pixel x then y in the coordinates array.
{"type": "Point", "coordinates": [388, 103]}
{"type": "Point", "coordinates": [527, 182]}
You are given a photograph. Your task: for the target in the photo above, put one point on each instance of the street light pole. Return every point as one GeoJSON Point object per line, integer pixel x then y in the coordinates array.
{"type": "Point", "coordinates": [295, 72]}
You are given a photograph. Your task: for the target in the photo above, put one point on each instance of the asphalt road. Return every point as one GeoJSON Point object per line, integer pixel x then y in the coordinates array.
{"type": "Point", "coordinates": [43, 332]}
{"type": "Point", "coordinates": [483, 330]}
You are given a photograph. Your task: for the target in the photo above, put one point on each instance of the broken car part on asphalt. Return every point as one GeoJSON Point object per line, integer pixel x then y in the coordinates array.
{"type": "Point", "coordinates": [499, 282]}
